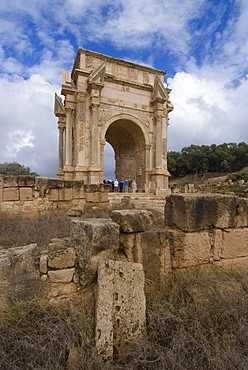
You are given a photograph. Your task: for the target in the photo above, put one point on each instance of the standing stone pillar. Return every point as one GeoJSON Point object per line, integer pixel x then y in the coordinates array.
{"type": "Point", "coordinates": [68, 139]}
{"type": "Point", "coordinates": [94, 88]}
{"type": "Point", "coordinates": [120, 307]}
{"type": "Point", "coordinates": [61, 127]}
{"type": "Point", "coordinates": [94, 135]}
{"type": "Point", "coordinates": [61, 144]}
{"type": "Point", "coordinates": [158, 157]}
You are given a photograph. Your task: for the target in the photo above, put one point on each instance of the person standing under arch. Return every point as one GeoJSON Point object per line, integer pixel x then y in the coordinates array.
{"type": "Point", "coordinates": [134, 186]}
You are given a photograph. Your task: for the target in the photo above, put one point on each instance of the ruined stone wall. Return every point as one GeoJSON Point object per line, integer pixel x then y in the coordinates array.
{"type": "Point", "coordinates": [220, 187]}
{"type": "Point", "coordinates": [199, 229]}
{"type": "Point", "coordinates": [36, 195]}
{"type": "Point", "coordinates": [206, 228]}
{"type": "Point", "coordinates": [118, 257]}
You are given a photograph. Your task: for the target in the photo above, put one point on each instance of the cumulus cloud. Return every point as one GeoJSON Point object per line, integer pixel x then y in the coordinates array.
{"type": "Point", "coordinates": [29, 130]}
{"type": "Point", "coordinates": [203, 44]}
{"type": "Point", "coordinates": [206, 111]}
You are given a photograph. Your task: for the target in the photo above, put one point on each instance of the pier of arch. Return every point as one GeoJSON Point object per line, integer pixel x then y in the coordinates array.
{"type": "Point", "coordinates": [125, 104]}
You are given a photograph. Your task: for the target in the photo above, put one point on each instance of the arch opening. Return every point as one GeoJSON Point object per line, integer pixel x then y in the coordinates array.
{"type": "Point", "coordinates": [109, 162]}
{"type": "Point", "coordinates": [128, 142]}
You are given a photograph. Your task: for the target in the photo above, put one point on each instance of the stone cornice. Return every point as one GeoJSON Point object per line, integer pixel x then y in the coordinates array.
{"type": "Point", "coordinates": [114, 60]}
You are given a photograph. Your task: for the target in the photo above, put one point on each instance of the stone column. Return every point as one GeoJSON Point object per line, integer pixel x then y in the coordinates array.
{"type": "Point", "coordinates": [68, 139]}
{"type": "Point", "coordinates": [147, 166]}
{"type": "Point", "coordinates": [61, 144]}
{"type": "Point", "coordinates": [159, 146]}
{"type": "Point", "coordinates": [94, 136]}
{"type": "Point", "coordinates": [68, 169]}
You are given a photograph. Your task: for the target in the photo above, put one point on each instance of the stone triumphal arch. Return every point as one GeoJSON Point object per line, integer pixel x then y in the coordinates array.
{"type": "Point", "coordinates": [125, 104]}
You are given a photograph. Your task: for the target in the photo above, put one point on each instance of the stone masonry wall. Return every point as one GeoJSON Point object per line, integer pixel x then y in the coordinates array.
{"type": "Point", "coordinates": [36, 195]}
{"type": "Point", "coordinates": [207, 228]}
{"type": "Point", "coordinates": [199, 229]}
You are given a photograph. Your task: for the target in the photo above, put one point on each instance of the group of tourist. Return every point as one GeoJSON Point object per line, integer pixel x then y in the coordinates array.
{"type": "Point", "coordinates": [122, 187]}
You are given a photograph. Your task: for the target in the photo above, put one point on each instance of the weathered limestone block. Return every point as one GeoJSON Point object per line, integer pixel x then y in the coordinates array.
{"type": "Point", "coordinates": [235, 243]}
{"type": "Point", "coordinates": [55, 183]}
{"type": "Point", "coordinates": [156, 257]}
{"type": "Point", "coordinates": [132, 221]}
{"type": "Point", "coordinates": [61, 276]}
{"type": "Point", "coordinates": [54, 195]}
{"type": "Point", "coordinates": [65, 194]}
{"type": "Point", "coordinates": [63, 290]}
{"type": "Point", "coordinates": [96, 197]}
{"type": "Point", "coordinates": [19, 273]}
{"type": "Point", "coordinates": [94, 240]}
{"type": "Point", "coordinates": [192, 212]}
{"type": "Point", "coordinates": [26, 194]}
{"type": "Point", "coordinates": [41, 185]}
{"type": "Point", "coordinates": [43, 263]}
{"type": "Point", "coordinates": [57, 244]}
{"type": "Point", "coordinates": [120, 307]}
{"type": "Point", "coordinates": [233, 263]}
{"type": "Point", "coordinates": [128, 246]}
{"type": "Point", "coordinates": [10, 194]}
{"type": "Point", "coordinates": [62, 259]}
{"type": "Point", "coordinates": [10, 181]}
{"type": "Point", "coordinates": [26, 181]}
{"type": "Point", "coordinates": [78, 193]}
{"type": "Point", "coordinates": [189, 249]}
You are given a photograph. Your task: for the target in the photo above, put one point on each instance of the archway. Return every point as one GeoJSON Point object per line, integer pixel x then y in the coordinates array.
{"type": "Point", "coordinates": [128, 142]}
{"type": "Point", "coordinates": [109, 162]}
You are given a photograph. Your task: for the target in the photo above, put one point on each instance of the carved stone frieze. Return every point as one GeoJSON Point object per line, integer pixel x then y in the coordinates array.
{"type": "Point", "coordinates": [146, 78]}
{"type": "Point", "coordinates": [89, 62]}
{"type": "Point", "coordinates": [133, 74]}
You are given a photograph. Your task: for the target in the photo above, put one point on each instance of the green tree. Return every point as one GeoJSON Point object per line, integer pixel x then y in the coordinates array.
{"type": "Point", "coordinates": [226, 157]}
{"type": "Point", "coordinates": [16, 169]}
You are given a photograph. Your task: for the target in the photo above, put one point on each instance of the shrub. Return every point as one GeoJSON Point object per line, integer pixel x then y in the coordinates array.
{"type": "Point", "coordinates": [240, 175]}
{"type": "Point", "coordinates": [186, 182]}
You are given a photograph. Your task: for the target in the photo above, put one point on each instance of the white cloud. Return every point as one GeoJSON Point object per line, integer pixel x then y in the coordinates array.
{"type": "Point", "coordinates": [38, 38]}
{"type": "Point", "coordinates": [29, 128]}
{"type": "Point", "coordinates": [206, 111]}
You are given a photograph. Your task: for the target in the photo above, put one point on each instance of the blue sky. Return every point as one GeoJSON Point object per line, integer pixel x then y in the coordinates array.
{"type": "Point", "coordinates": [202, 44]}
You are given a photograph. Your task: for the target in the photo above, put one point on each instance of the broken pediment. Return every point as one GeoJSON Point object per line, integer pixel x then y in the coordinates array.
{"type": "Point", "coordinates": [66, 78]}
{"type": "Point", "coordinates": [98, 74]}
{"type": "Point", "coordinates": [159, 91]}
{"type": "Point", "coordinates": [58, 105]}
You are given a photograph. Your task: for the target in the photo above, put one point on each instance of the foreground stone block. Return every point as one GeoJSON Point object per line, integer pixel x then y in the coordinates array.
{"type": "Point", "coordinates": [94, 240]}
{"type": "Point", "coordinates": [156, 257]}
{"type": "Point", "coordinates": [189, 249]}
{"type": "Point", "coordinates": [10, 194]}
{"type": "Point", "coordinates": [120, 307]}
{"type": "Point", "coordinates": [61, 276]}
{"type": "Point", "coordinates": [19, 273]}
{"type": "Point", "coordinates": [62, 259]}
{"type": "Point", "coordinates": [133, 221]}
{"type": "Point", "coordinates": [235, 243]}
{"type": "Point", "coordinates": [192, 212]}
{"type": "Point", "coordinates": [26, 194]}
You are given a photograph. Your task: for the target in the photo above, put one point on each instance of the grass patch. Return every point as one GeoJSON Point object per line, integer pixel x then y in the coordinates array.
{"type": "Point", "coordinates": [19, 231]}
{"type": "Point", "coordinates": [199, 321]}
{"type": "Point", "coordinates": [238, 189]}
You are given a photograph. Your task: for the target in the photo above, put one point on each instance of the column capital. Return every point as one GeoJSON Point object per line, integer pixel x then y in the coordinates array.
{"type": "Point", "coordinates": [69, 110]}
{"type": "Point", "coordinates": [81, 96]}
{"type": "Point", "coordinates": [61, 126]}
